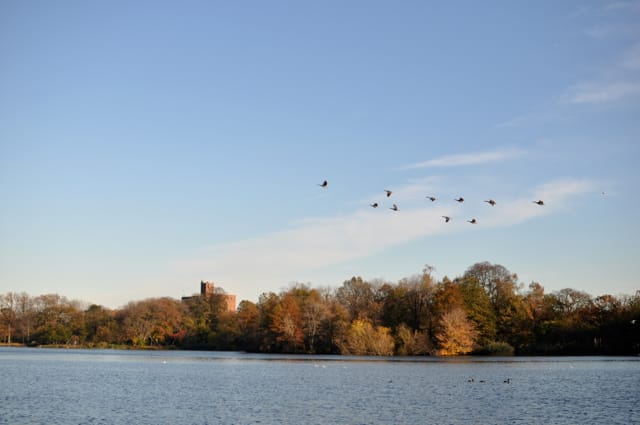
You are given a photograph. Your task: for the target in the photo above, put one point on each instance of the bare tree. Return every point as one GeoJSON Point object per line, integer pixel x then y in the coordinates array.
{"type": "Point", "coordinates": [8, 303]}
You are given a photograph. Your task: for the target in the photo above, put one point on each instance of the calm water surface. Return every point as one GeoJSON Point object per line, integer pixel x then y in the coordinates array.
{"type": "Point", "coordinates": [42, 386]}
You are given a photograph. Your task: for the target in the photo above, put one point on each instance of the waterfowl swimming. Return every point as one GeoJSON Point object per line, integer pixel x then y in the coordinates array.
{"type": "Point", "coordinates": [394, 207]}
{"type": "Point", "coordinates": [491, 202]}
{"type": "Point", "coordinates": [388, 192]}
{"type": "Point", "coordinates": [446, 218]}
{"type": "Point", "coordinates": [472, 221]}
{"type": "Point", "coordinates": [460, 199]}
{"type": "Point", "coordinates": [374, 205]}
{"type": "Point", "coordinates": [431, 198]}
{"type": "Point", "coordinates": [323, 184]}
{"type": "Point", "coordinates": [539, 202]}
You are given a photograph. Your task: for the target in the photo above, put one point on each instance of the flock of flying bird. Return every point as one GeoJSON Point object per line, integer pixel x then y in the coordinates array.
{"type": "Point", "coordinates": [460, 200]}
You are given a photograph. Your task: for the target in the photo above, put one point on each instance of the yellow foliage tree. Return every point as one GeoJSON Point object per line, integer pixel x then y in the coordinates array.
{"type": "Point", "coordinates": [364, 339]}
{"type": "Point", "coordinates": [457, 334]}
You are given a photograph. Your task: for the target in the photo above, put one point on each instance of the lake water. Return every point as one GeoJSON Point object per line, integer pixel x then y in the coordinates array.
{"type": "Point", "coordinates": [57, 386]}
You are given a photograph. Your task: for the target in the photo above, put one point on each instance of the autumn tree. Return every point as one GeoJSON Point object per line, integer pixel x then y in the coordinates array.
{"type": "Point", "coordinates": [447, 297]}
{"type": "Point", "coordinates": [359, 298]}
{"type": "Point", "coordinates": [362, 338]}
{"type": "Point", "coordinates": [248, 320]}
{"type": "Point", "coordinates": [315, 316]}
{"type": "Point", "coordinates": [534, 304]}
{"type": "Point", "coordinates": [457, 334]}
{"type": "Point", "coordinates": [154, 321]}
{"type": "Point", "coordinates": [286, 324]}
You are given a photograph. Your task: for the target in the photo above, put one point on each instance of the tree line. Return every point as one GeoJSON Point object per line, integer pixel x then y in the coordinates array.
{"type": "Point", "coordinates": [484, 311]}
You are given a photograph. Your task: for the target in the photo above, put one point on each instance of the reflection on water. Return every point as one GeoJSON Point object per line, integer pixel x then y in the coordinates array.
{"type": "Point", "coordinates": [156, 387]}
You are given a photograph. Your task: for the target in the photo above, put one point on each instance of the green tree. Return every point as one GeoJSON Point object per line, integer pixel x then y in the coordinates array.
{"type": "Point", "coordinates": [479, 310]}
{"type": "Point", "coordinates": [100, 324]}
{"type": "Point", "coordinates": [206, 321]}
{"type": "Point", "coordinates": [266, 306]}
{"type": "Point", "coordinates": [57, 320]}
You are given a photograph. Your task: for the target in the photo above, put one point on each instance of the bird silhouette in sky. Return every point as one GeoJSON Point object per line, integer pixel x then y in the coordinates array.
{"type": "Point", "coordinates": [394, 207]}
{"type": "Point", "coordinates": [491, 202]}
{"type": "Point", "coordinates": [431, 198]}
{"type": "Point", "coordinates": [388, 192]}
{"type": "Point", "coordinates": [446, 218]}
{"type": "Point", "coordinates": [472, 221]}
{"type": "Point", "coordinates": [323, 184]}
{"type": "Point", "coordinates": [460, 199]}
{"type": "Point", "coordinates": [374, 205]}
{"type": "Point", "coordinates": [539, 202]}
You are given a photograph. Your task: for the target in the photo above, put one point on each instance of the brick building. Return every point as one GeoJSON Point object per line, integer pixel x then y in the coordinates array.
{"type": "Point", "coordinates": [208, 289]}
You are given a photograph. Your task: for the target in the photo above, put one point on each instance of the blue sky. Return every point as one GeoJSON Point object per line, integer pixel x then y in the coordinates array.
{"type": "Point", "coordinates": [145, 146]}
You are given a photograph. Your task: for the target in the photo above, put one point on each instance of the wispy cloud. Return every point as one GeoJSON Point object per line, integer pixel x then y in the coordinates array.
{"type": "Point", "coordinates": [608, 31]}
{"type": "Point", "coordinates": [631, 58]}
{"type": "Point", "coordinates": [618, 81]}
{"type": "Point", "coordinates": [514, 122]}
{"type": "Point", "coordinates": [594, 93]}
{"type": "Point", "coordinates": [475, 158]}
{"type": "Point", "coordinates": [269, 262]}
{"type": "Point", "coordinates": [622, 6]}
{"type": "Point", "coordinates": [555, 195]}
